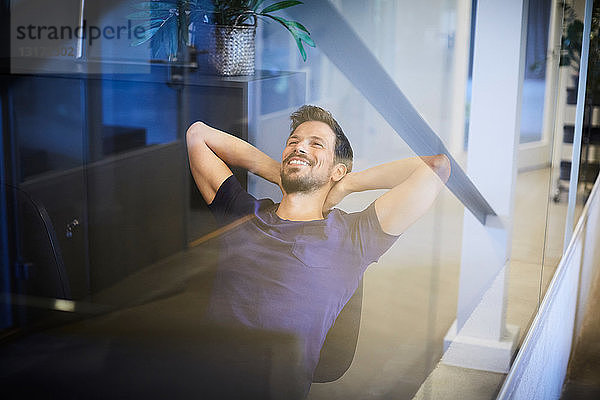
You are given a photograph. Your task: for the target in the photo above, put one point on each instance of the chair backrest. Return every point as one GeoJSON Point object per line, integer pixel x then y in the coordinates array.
{"type": "Point", "coordinates": [340, 344]}
{"type": "Point", "coordinates": [40, 268]}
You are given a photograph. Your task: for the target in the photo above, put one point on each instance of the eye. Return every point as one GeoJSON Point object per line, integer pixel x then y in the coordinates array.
{"type": "Point", "coordinates": [318, 144]}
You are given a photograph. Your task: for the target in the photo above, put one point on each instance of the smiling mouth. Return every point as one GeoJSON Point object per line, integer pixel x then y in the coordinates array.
{"type": "Point", "coordinates": [298, 162]}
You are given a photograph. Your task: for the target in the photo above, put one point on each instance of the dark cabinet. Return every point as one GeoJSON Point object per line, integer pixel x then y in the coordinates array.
{"type": "Point", "coordinates": [105, 156]}
{"type": "Point", "coordinates": [46, 117]}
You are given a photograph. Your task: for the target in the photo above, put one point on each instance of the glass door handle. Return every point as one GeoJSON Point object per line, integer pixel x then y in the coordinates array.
{"type": "Point", "coordinates": [70, 226]}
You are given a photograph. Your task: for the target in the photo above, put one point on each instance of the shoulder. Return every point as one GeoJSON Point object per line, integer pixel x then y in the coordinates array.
{"type": "Point", "coordinates": [363, 230]}
{"type": "Point", "coordinates": [232, 201]}
{"type": "Point", "coordinates": [366, 221]}
{"type": "Point", "coordinates": [351, 215]}
{"type": "Point", "coordinates": [344, 220]}
{"type": "Point", "coordinates": [229, 188]}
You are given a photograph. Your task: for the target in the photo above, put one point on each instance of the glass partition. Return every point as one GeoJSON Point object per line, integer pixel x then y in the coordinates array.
{"type": "Point", "coordinates": [418, 276]}
{"type": "Point", "coordinates": [151, 266]}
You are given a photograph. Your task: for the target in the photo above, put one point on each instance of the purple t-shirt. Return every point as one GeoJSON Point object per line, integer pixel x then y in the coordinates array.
{"type": "Point", "coordinates": [292, 276]}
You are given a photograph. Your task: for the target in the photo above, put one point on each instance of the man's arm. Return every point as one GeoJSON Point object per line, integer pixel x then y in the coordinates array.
{"type": "Point", "coordinates": [210, 150]}
{"type": "Point", "coordinates": [414, 183]}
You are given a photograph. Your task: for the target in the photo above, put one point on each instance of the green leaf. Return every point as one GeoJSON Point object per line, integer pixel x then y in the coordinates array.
{"type": "Point", "coordinates": [150, 24]}
{"type": "Point", "coordinates": [156, 5]}
{"type": "Point", "coordinates": [297, 35]}
{"type": "Point", "coordinates": [165, 41]}
{"type": "Point", "coordinates": [147, 35]}
{"type": "Point", "coordinates": [279, 6]}
{"type": "Point", "coordinates": [304, 36]}
{"type": "Point", "coordinates": [154, 23]}
{"type": "Point", "coordinates": [291, 26]}
{"type": "Point", "coordinates": [255, 4]}
{"type": "Point", "coordinates": [298, 25]}
{"type": "Point", "coordinates": [149, 14]}
{"type": "Point", "coordinates": [280, 20]}
{"type": "Point", "coordinates": [301, 48]}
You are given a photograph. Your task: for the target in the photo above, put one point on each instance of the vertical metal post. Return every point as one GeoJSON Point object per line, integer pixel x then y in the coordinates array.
{"type": "Point", "coordinates": [5, 307]}
{"type": "Point", "coordinates": [581, 89]}
{"type": "Point", "coordinates": [81, 40]}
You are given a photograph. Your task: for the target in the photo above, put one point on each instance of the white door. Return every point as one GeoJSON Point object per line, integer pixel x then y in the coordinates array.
{"type": "Point", "coordinates": [539, 105]}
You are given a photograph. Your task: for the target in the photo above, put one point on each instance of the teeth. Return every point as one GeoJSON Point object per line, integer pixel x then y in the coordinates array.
{"type": "Point", "coordinates": [298, 162]}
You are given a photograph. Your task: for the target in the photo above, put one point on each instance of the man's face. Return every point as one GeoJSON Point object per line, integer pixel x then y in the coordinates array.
{"type": "Point", "coordinates": [308, 158]}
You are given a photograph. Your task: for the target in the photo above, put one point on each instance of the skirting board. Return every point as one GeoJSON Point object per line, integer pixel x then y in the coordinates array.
{"type": "Point", "coordinates": [483, 354]}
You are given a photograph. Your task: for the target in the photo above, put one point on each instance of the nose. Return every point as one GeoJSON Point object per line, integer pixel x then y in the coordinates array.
{"type": "Point", "coordinates": [300, 148]}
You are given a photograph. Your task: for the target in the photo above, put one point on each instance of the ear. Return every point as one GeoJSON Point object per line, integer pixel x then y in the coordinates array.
{"type": "Point", "coordinates": [339, 171]}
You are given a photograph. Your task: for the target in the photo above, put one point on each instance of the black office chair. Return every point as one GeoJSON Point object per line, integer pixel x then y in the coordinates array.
{"type": "Point", "coordinates": [40, 270]}
{"type": "Point", "coordinates": [340, 344]}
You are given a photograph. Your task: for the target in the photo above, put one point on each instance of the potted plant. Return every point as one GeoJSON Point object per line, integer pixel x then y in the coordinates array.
{"type": "Point", "coordinates": [571, 42]}
{"type": "Point", "coordinates": [231, 29]}
{"type": "Point", "coordinates": [570, 57]}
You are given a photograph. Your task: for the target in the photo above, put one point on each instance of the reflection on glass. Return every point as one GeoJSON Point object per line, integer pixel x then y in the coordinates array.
{"type": "Point", "coordinates": [534, 84]}
{"type": "Point", "coordinates": [48, 124]}
{"type": "Point", "coordinates": [109, 152]}
{"type": "Point", "coordinates": [137, 114]}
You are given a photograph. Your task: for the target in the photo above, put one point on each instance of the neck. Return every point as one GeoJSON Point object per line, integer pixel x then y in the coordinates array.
{"type": "Point", "coordinates": [302, 206]}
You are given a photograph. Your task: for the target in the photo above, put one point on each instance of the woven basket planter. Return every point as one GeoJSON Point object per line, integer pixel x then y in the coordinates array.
{"type": "Point", "coordinates": [232, 49]}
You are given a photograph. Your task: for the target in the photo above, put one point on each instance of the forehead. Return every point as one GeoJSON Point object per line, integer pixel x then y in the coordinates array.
{"type": "Point", "coordinates": [314, 129]}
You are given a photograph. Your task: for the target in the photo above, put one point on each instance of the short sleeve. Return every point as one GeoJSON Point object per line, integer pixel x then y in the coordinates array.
{"type": "Point", "coordinates": [368, 235]}
{"type": "Point", "coordinates": [232, 202]}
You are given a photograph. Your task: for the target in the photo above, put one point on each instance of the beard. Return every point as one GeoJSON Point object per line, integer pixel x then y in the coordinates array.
{"type": "Point", "coordinates": [301, 183]}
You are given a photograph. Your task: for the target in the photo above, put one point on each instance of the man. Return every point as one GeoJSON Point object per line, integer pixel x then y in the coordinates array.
{"type": "Point", "coordinates": [293, 266]}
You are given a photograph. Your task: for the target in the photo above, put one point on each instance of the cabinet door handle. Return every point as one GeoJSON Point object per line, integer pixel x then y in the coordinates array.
{"type": "Point", "coordinates": [70, 226]}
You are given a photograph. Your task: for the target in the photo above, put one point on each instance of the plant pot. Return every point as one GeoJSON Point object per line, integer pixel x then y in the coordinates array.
{"type": "Point", "coordinates": [231, 50]}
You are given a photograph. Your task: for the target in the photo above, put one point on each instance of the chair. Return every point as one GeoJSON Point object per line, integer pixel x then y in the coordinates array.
{"type": "Point", "coordinates": [340, 344]}
{"type": "Point", "coordinates": [40, 270]}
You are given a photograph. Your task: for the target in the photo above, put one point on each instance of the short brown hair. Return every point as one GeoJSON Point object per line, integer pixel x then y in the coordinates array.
{"type": "Point", "coordinates": [343, 150]}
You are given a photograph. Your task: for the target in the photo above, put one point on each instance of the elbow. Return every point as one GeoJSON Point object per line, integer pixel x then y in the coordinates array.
{"type": "Point", "coordinates": [196, 129]}
{"type": "Point", "coordinates": [195, 133]}
{"type": "Point", "coordinates": [441, 165]}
